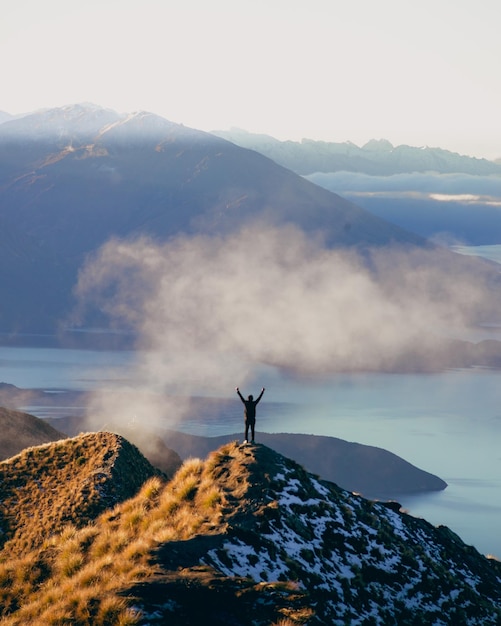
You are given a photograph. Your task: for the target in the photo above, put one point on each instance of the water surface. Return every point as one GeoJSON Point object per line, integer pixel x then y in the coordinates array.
{"type": "Point", "coordinates": [447, 423]}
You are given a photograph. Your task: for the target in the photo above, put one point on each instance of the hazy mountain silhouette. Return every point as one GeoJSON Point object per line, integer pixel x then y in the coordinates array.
{"type": "Point", "coordinates": [376, 157]}
{"type": "Point", "coordinates": [371, 471]}
{"type": "Point", "coordinates": [73, 177]}
{"type": "Point", "coordinates": [21, 430]}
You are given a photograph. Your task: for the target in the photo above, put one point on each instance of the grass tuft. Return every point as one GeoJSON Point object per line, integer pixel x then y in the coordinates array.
{"type": "Point", "coordinates": [72, 573]}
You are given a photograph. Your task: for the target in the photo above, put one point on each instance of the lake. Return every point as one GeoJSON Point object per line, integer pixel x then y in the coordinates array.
{"type": "Point", "coordinates": [447, 423]}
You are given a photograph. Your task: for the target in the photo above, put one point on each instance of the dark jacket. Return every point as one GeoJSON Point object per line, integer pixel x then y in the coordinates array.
{"type": "Point", "coordinates": [250, 406]}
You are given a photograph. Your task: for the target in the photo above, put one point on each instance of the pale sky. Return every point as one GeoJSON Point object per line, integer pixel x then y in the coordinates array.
{"type": "Point", "coordinates": [421, 72]}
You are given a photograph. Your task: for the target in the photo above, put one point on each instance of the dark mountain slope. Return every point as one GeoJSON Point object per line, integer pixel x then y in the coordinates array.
{"type": "Point", "coordinates": [146, 174]}
{"type": "Point", "coordinates": [21, 430]}
{"type": "Point", "coordinates": [374, 472]}
{"type": "Point", "coordinates": [72, 178]}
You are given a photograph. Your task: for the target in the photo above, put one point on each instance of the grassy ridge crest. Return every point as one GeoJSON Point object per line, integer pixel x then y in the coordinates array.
{"type": "Point", "coordinates": [45, 487]}
{"type": "Point", "coordinates": [76, 573]}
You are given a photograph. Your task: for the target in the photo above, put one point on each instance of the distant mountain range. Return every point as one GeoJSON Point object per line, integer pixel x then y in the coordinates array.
{"type": "Point", "coordinates": [73, 177]}
{"type": "Point", "coordinates": [93, 534]}
{"type": "Point", "coordinates": [377, 157]}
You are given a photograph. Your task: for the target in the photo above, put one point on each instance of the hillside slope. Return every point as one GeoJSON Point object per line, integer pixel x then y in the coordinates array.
{"type": "Point", "coordinates": [22, 430]}
{"type": "Point", "coordinates": [248, 538]}
{"type": "Point", "coordinates": [70, 481]}
{"type": "Point", "coordinates": [72, 178]}
{"type": "Point", "coordinates": [371, 471]}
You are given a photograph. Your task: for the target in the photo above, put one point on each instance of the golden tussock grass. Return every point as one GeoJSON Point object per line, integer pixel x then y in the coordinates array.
{"type": "Point", "coordinates": [46, 486]}
{"type": "Point", "coordinates": [69, 481]}
{"type": "Point", "coordinates": [75, 576]}
{"type": "Point", "coordinates": [150, 492]}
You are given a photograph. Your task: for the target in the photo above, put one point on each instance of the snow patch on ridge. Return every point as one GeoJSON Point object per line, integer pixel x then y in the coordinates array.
{"type": "Point", "coordinates": [358, 553]}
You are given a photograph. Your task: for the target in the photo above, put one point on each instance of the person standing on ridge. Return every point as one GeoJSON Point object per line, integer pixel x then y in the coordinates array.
{"type": "Point", "coordinates": [250, 413]}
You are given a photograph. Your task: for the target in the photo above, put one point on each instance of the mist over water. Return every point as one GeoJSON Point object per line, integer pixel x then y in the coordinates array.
{"type": "Point", "coordinates": [321, 329]}
{"type": "Point", "coordinates": [448, 423]}
{"type": "Point", "coordinates": [209, 310]}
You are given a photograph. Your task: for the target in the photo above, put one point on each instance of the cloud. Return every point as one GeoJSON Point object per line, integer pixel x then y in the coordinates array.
{"type": "Point", "coordinates": [450, 208]}
{"type": "Point", "coordinates": [411, 184]}
{"type": "Point", "coordinates": [209, 310]}
{"type": "Point", "coordinates": [466, 198]}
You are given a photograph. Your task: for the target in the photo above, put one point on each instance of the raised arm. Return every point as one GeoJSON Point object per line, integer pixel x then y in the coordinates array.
{"type": "Point", "coordinates": [238, 391]}
{"type": "Point", "coordinates": [260, 395]}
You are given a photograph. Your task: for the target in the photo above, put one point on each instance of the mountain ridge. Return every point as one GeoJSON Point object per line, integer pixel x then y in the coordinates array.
{"type": "Point", "coordinates": [22, 430]}
{"type": "Point", "coordinates": [247, 538]}
{"type": "Point", "coordinates": [368, 470]}
{"type": "Point", "coordinates": [67, 481]}
{"type": "Point", "coordinates": [113, 177]}
{"type": "Point", "coordinates": [291, 534]}
{"type": "Point", "coordinates": [376, 157]}
{"type": "Point", "coordinates": [371, 471]}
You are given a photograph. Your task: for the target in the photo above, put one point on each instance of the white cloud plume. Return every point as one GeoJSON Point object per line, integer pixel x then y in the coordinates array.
{"type": "Point", "coordinates": [208, 310]}
{"type": "Point", "coordinates": [448, 208]}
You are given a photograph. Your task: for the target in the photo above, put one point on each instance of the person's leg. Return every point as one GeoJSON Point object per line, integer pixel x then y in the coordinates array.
{"type": "Point", "coordinates": [252, 430]}
{"type": "Point", "coordinates": [246, 430]}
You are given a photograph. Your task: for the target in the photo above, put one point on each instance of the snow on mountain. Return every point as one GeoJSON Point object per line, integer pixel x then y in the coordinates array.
{"type": "Point", "coordinates": [245, 537]}
{"type": "Point", "coordinates": [362, 562]}
{"type": "Point", "coordinates": [67, 123]}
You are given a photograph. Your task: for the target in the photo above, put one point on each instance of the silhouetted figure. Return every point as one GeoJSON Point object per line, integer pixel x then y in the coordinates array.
{"type": "Point", "coordinates": [250, 413]}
